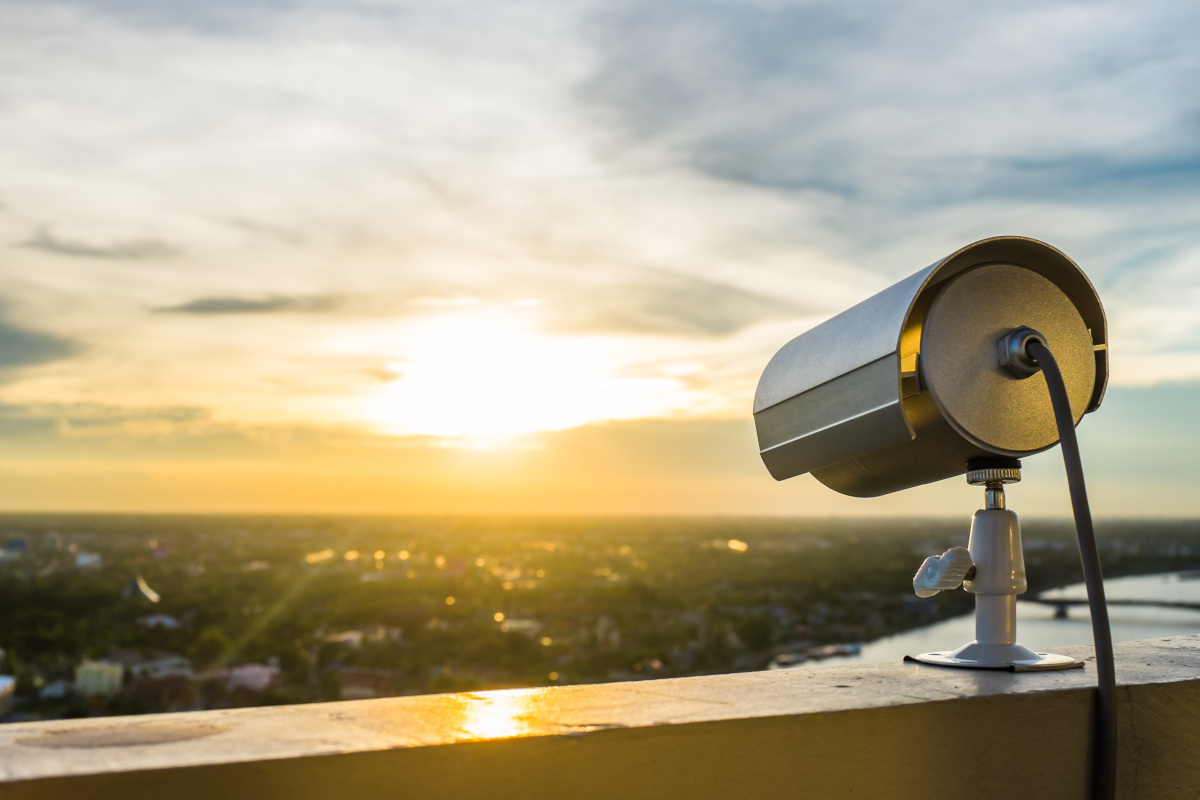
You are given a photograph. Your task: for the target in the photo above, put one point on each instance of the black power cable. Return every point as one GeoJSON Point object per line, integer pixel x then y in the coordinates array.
{"type": "Point", "coordinates": [1104, 762]}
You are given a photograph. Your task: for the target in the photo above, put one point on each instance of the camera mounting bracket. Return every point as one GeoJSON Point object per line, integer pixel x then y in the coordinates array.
{"type": "Point", "coordinates": [992, 567]}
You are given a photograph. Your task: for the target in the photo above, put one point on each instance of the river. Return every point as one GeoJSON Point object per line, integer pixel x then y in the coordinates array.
{"type": "Point", "coordinates": [1038, 629]}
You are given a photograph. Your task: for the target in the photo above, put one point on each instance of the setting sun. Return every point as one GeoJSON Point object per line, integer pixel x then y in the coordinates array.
{"type": "Point", "coordinates": [491, 377]}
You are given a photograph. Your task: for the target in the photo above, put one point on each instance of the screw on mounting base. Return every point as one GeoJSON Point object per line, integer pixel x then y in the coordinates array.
{"type": "Point", "coordinates": [990, 475]}
{"type": "Point", "coordinates": [993, 473]}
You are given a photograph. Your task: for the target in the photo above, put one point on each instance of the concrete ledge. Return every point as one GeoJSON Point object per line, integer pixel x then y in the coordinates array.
{"type": "Point", "coordinates": [870, 731]}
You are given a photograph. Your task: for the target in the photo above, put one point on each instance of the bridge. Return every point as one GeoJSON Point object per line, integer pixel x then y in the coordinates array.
{"type": "Point", "coordinates": [1063, 603]}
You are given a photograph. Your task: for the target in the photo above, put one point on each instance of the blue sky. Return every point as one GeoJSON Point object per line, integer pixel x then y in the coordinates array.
{"type": "Point", "coordinates": [238, 237]}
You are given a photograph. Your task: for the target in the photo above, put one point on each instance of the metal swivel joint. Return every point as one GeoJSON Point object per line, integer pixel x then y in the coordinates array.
{"type": "Point", "coordinates": [992, 567]}
{"type": "Point", "coordinates": [956, 566]}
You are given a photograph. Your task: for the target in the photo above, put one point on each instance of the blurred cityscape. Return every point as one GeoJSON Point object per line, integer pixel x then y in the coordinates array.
{"type": "Point", "coordinates": [138, 614]}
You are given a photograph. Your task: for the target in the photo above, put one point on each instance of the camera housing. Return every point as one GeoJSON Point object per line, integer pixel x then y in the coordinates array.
{"type": "Point", "coordinates": [911, 385]}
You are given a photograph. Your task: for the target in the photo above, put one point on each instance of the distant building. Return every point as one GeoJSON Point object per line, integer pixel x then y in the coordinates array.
{"type": "Point", "coordinates": [55, 690]}
{"type": "Point", "coordinates": [210, 678]}
{"type": "Point", "coordinates": [365, 684]}
{"type": "Point", "coordinates": [529, 627]}
{"type": "Point", "coordinates": [99, 678]}
{"type": "Point", "coordinates": [168, 693]}
{"type": "Point", "coordinates": [356, 638]}
{"type": "Point", "coordinates": [13, 549]}
{"type": "Point", "coordinates": [608, 636]}
{"type": "Point", "coordinates": [8, 685]}
{"type": "Point", "coordinates": [88, 561]}
{"type": "Point", "coordinates": [349, 638]}
{"type": "Point", "coordinates": [152, 663]}
{"type": "Point", "coordinates": [253, 677]}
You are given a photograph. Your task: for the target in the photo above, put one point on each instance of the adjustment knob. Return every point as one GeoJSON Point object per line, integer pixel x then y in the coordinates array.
{"type": "Point", "coordinates": [943, 572]}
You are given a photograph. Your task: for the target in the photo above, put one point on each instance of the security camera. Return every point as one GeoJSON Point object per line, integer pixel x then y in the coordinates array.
{"type": "Point", "coordinates": [991, 354]}
{"type": "Point", "coordinates": [911, 386]}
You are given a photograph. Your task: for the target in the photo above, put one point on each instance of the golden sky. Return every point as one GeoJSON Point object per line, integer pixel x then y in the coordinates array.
{"type": "Point", "coordinates": [532, 257]}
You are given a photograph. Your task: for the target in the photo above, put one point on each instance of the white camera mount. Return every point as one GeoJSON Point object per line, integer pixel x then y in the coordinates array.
{"type": "Point", "coordinates": [992, 567]}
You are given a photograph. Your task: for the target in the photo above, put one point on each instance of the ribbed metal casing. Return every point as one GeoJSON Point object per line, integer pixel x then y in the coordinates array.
{"type": "Point", "coordinates": [906, 387]}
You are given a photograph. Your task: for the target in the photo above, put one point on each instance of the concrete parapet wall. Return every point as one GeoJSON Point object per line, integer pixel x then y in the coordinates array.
{"type": "Point", "coordinates": [864, 731]}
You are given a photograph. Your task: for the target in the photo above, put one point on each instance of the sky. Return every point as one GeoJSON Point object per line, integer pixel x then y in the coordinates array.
{"type": "Point", "coordinates": [531, 257]}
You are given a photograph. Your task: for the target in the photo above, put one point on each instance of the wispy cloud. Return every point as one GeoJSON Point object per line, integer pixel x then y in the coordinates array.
{"type": "Point", "coordinates": [97, 419]}
{"type": "Point", "coordinates": [252, 305]}
{"type": "Point", "coordinates": [131, 249]}
{"type": "Point", "coordinates": [214, 17]}
{"type": "Point", "coordinates": [898, 114]}
{"type": "Point", "coordinates": [25, 347]}
{"type": "Point", "coordinates": [659, 302]}
{"type": "Point", "coordinates": [92, 458]}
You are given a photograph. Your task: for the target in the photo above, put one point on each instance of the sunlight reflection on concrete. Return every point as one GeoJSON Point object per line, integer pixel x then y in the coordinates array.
{"type": "Point", "coordinates": [500, 715]}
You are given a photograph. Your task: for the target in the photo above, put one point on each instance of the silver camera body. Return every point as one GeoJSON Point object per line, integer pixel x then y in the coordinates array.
{"type": "Point", "coordinates": [911, 385]}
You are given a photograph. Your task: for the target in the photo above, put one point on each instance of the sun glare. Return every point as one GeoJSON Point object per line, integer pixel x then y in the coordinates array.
{"type": "Point", "coordinates": [491, 378]}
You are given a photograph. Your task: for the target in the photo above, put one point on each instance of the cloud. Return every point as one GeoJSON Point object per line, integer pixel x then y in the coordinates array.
{"type": "Point", "coordinates": [65, 419]}
{"type": "Point", "coordinates": [172, 431]}
{"type": "Point", "coordinates": [228, 17]}
{"type": "Point", "coordinates": [686, 171]}
{"type": "Point", "coordinates": [891, 109]}
{"type": "Point", "coordinates": [909, 129]}
{"type": "Point", "coordinates": [23, 347]}
{"type": "Point", "coordinates": [250, 305]}
{"type": "Point", "coordinates": [130, 249]}
{"type": "Point", "coordinates": [1138, 450]}
{"type": "Point", "coordinates": [161, 435]}
{"type": "Point", "coordinates": [660, 302]}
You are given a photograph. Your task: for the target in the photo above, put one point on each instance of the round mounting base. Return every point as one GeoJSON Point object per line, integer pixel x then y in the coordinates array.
{"type": "Point", "coordinates": [1013, 657]}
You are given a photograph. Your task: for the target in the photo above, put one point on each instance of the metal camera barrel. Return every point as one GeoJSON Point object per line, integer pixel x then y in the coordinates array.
{"type": "Point", "coordinates": [910, 385]}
